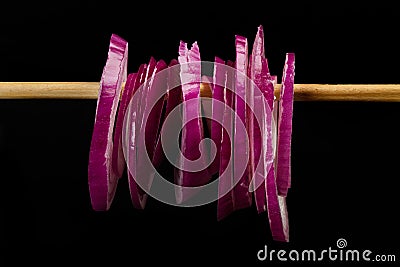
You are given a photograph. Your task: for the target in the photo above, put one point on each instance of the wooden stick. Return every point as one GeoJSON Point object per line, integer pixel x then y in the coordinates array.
{"type": "Point", "coordinates": [49, 90]}
{"type": "Point", "coordinates": [303, 92]}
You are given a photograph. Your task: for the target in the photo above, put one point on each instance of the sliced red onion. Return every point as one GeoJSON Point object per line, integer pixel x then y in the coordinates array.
{"type": "Point", "coordinates": [225, 194]}
{"type": "Point", "coordinates": [285, 126]}
{"type": "Point", "coordinates": [272, 180]}
{"type": "Point", "coordinates": [173, 99]}
{"type": "Point", "coordinates": [242, 197]}
{"type": "Point", "coordinates": [192, 132]}
{"type": "Point", "coordinates": [136, 131]}
{"type": "Point", "coordinates": [147, 128]}
{"type": "Point", "coordinates": [277, 211]}
{"type": "Point", "coordinates": [152, 102]}
{"type": "Point", "coordinates": [101, 177]}
{"type": "Point", "coordinates": [259, 78]}
{"type": "Point", "coordinates": [153, 116]}
{"type": "Point", "coordinates": [276, 205]}
{"type": "Point", "coordinates": [225, 201]}
{"type": "Point", "coordinates": [217, 111]}
{"type": "Point", "coordinates": [118, 161]}
{"type": "Point", "coordinates": [138, 196]}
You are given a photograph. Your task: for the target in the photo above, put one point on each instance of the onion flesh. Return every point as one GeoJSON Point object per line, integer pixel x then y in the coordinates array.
{"type": "Point", "coordinates": [101, 177]}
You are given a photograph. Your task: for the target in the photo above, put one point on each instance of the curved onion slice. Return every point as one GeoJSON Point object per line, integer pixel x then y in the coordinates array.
{"type": "Point", "coordinates": [242, 197]}
{"type": "Point", "coordinates": [173, 99]}
{"type": "Point", "coordinates": [138, 196]}
{"type": "Point", "coordinates": [225, 201]}
{"type": "Point", "coordinates": [145, 127]}
{"type": "Point", "coordinates": [192, 132]}
{"type": "Point", "coordinates": [118, 159]}
{"type": "Point", "coordinates": [285, 126]}
{"type": "Point", "coordinates": [136, 149]}
{"type": "Point", "coordinates": [259, 77]}
{"type": "Point", "coordinates": [276, 204]}
{"type": "Point", "coordinates": [153, 113]}
{"type": "Point", "coordinates": [101, 177]}
{"type": "Point", "coordinates": [152, 101]}
{"type": "Point", "coordinates": [217, 111]}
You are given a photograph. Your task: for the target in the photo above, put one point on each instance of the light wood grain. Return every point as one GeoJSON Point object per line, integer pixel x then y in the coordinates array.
{"type": "Point", "coordinates": [303, 92]}
{"type": "Point", "coordinates": [49, 90]}
{"type": "Point", "coordinates": [346, 92]}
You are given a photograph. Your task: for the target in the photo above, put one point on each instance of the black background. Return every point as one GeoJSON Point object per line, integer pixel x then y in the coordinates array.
{"type": "Point", "coordinates": [345, 165]}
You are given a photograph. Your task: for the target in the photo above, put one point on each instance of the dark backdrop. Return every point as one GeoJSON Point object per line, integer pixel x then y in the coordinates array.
{"type": "Point", "coordinates": [345, 165]}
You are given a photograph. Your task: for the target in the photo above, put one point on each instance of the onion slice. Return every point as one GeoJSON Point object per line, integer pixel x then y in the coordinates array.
{"type": "Point", "coordinates": [259, 78]}
{"type": "Point", "coordinates": [152, 101]}
{"type": "Point", "coordinates": [173, 99]}
{"type": "Point", "coordinates": [192, 148]}
{"type": "Point", "coordinates": [217, 111]}
{"type": "Point", "coordinates": [285, 126]}
{"type": "Point", "coordinates": [118, 159]}
{"type": "Point", "coordinates": [101, 177]}
{"type": "Point", "coordinates": [225, 193]}
{"type": "Point", "coordinates": [276, 204]}
{"type": "Point", "coordinates": [147, 129]}
{"type": "Point", "coordinates": [134, 130]}
{"type": "Point", "coordinates": [242, 197]}
{"type": "Point", "coordinates": [153, 113]}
